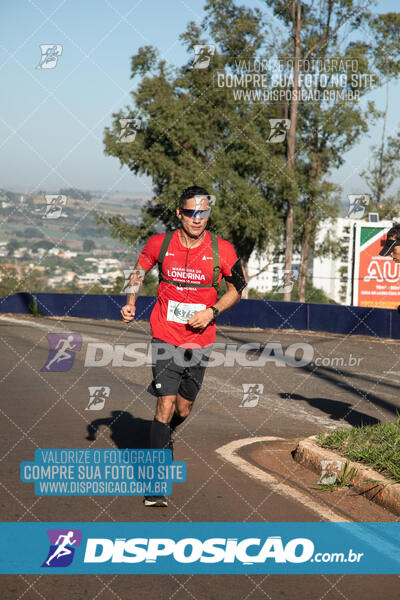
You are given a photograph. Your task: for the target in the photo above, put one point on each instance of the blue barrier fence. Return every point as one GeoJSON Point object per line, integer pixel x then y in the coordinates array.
{"type": "Point", "coordinates": [347, 320]}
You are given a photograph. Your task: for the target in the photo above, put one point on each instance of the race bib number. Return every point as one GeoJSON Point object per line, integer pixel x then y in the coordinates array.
{"type": "Point", "coordinates": [180, 312]}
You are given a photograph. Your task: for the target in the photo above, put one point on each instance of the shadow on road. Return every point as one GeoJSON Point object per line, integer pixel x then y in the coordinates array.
{"type": "Point", "coordinates": [336, 409]}
{"type": "Point", "coordinates": [346, 380]}
{"type": "Point", "coordinates": [328, 374]}
{"type": "Point", "coordinates": [126, 430]}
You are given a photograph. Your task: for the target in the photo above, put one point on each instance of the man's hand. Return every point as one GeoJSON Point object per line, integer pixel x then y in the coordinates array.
{"type": "Point", "coordinates": [201, 319]}
{"type": "Point", "coordinates": [128, 312]}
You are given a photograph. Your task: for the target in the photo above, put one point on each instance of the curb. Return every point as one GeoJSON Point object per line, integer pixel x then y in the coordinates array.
{"type": "Point", "coordinates": [370, 483]}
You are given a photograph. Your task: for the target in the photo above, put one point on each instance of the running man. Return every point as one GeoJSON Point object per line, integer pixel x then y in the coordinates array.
{"type": "Point", "coordinates": [191, 265]}
{"type": "Point", "coordinates": [62, 549]}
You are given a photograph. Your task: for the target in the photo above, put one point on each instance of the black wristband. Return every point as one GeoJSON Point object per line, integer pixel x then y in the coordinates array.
{"type": "Point", "coordinates": [215, 311]}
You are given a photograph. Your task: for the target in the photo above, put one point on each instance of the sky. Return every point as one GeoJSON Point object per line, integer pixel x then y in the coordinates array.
{"type": "Point", "coordinates": [52, 120]}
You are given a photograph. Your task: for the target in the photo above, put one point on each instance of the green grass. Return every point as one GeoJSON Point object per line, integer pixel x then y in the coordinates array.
{"type": "Point", "coordinates": [377, 446]}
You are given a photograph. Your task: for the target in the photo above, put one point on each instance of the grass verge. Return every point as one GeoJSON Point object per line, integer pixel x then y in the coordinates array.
{"type": "Point", "coordinates": [377, 446]}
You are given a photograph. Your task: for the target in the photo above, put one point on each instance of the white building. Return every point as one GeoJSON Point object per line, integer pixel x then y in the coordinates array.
{"type": "Point", "coordinates": [69, 254]}
{"type": "Point", "coordinates": [19, 253]}
{"type": "Point", "coordinates": [272, 267]}
{"type": "Point", "coordinates": [87, 279]}
{"type": "Point", "coordinates": [59, 278]}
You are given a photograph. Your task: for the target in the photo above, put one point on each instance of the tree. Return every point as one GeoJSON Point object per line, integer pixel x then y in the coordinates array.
{"type": "Point", "coordinates": [12, 246]}
{"type": "Point", "coordinates": [193, 135]}
{"type": "Point", "coordinates": [75, 193]}
{"type": "Point", "coordinates": [383, 170]}
{"type": "Point", "coordinates": [194, 131]}
{"type": "Point", "coordinates": [11, 283]}
{"type": "Point", "coordinates": [313, 295]}
{"type": "Point", "coordinates": [45, 244]}
{"type": "Point", "coordinates": [320, 32]}
{"type": "Point", "coordinates": [88, 245]}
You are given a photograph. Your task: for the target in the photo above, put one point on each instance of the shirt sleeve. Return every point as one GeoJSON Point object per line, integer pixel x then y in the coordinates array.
{"type": "Point", "coordinates": [150, 253]}
{"type": "Point", "coordinates": [227, 259]}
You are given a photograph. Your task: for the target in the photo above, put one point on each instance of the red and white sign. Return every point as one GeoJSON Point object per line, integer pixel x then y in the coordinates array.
{"type": "Point", "coordinates": [376, 279]}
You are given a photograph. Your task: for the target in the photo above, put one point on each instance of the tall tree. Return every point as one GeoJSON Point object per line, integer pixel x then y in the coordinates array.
{"type": "Point", "coordinates": [323, 127]}
{"type": "Point", "coordinates": [383, 170]}
{"type": "Point", "coordinates": [384, 165]}
{"type": "Point", "coordinates": [296, 21]}
{"type": "Point", "coordinates": [196, 131]}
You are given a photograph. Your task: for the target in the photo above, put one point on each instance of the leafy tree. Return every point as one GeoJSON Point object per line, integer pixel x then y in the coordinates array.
{"type": "Point", "coordinates": [313, 295]}
{"type": "Point", "coordinates": [88, 245]}
{"type": "Point", "coordinates": [29, 232]}
{"type": "Point", "coordinates": [12, 246]}
{"type": "Point", "coordinates": [96, 288]}
{"type": "Point", "coordinates": [383, 170]}
{"type": "Point", "coordinates": [45, 244]}
{"type": "Point", "coordinates": [193, 133]}
{"type": "Point", "coordinates": [12, 283]}
{"type": "Point", "coordinates": [9, 283]}
{"type": "Point", "coordinates": [320, 31]}
{"type": "Point", "coordinates": [75, 193]}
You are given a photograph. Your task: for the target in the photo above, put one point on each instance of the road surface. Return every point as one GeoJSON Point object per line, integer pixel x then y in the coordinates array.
{"type": "Point", "coordinates": [49, 410]}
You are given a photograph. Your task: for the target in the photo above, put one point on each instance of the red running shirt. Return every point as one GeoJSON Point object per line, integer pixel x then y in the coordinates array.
{"type": "Point", "coordinates": [176, 304]}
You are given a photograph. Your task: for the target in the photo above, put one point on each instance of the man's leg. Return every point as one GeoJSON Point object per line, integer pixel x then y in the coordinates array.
{"type": "Point", "coordinates": [182, 410]}
{"type": "Point", "coordinates": [172, 408]}
{"type": "Point", "coordinates": [160, 437]}
{"type": "Point", "coordinates": [160, 432]}
{"type": "Point", "coordinates": [165, 408]}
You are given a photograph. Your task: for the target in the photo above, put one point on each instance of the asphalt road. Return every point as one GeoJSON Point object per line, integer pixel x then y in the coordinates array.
{"type": "Point", "coordinates": [49, 410]}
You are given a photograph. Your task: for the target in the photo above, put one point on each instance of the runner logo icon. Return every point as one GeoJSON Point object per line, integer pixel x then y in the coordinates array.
{"type": "Point", "coordinates": [62, 547]}
{"type": "Point", "coordinates": [50, 54]}
{"type": "Point", "coordinates": [54, 206]}
{"type": "Point", "coordinates": [62, 351]}
{"type": "Point", "coordinates": [251, 394]}
{"type": "Point", "coordinates": [278, 130]}
{"type": "Point", "coordinates": [97, 397]}
{"type": "Point", "coordinates": [202, 55]}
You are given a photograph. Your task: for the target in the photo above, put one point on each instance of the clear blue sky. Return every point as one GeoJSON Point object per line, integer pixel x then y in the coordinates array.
{"type": "Point", "coordinates": [52, 121]}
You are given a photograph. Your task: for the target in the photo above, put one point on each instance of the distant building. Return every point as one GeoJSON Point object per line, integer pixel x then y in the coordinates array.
{"type": "Point", "coordinates": [68, 254]}
{"type": "Point", "coordinates": [19, 252]}
{"type": "Point", "coordinates": [87, 279]}
{"type": "Point", "coordinates": [272, 269]}
{"type": "Point", "coordinates": [18, 269]}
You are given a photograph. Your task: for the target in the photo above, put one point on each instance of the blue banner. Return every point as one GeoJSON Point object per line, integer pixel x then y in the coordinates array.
{"type": "Point", "coordinates": [77, 472]}
{"type": "Point", "coordinates": [200, 548]}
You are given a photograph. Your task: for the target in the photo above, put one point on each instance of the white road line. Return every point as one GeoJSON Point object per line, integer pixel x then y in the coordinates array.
{"type": "Point", "coordinates": [49, 328]}
{"type": "Point", "coordinates": [229, 453]}
{"type": "Point", "coordinates": [397, 373]}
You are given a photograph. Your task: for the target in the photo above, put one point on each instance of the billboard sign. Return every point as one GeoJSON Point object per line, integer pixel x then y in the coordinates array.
{"type": "Point", "coordinates": [376, 279]}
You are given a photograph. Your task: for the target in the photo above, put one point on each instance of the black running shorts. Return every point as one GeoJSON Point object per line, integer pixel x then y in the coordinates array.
{"type": "Point", "coordinates": [177, 370]}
